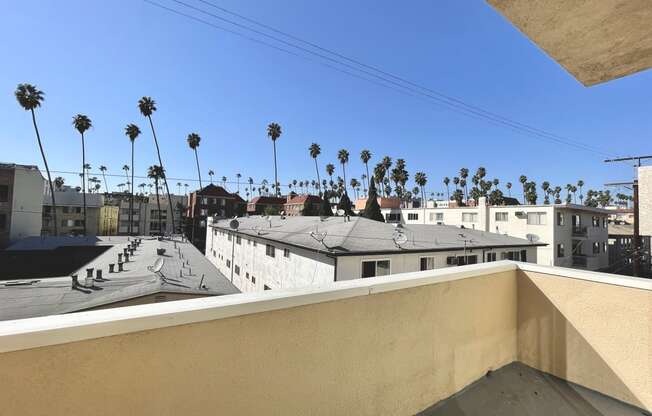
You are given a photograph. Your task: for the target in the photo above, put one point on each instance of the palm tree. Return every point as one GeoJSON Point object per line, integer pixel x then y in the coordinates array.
{"type": "Point", "coordinates": [193, 142]}
{"type": "Point", "coordinates": [103, 169]}
{"type": "Point", "coordinates": [464, 173]}
{"type": "Point", "coordinates": [447, 181]}
{"type": "Point", "coordinates": [523, 180]}
{"type": "Point", "coordinates": [251, 182]}
{"type": "Point", "coordinates": [179, 188]}
{"type": "Point", "coordinates": [545, 186]}
{"type": "Point", "coordinates": [365, 156]}
{"type": "Point", "coordinates": [508, 185]}
{"type": "Point", "coordinates": [237, 179]}
{"type": "Point", "coordinates": [126, 169]}
{"type": "Point", "coordinates": [315, 151]}
{"type": "Point", "coordinates": [355, 184]}
{"type": "Point", "coordinates": [142, 188]}
{"type": "Point", "coordinates": [29, 97]}
{"type": "Point", "coordinates": [580, 184]}
{"type": "Point", "coordinates": [147, 106]}
{"type": "Point", "coordinates": [185, 186]}
{"type": "Point", "coordinates": [132, 131]}
{"type": "Point", "coordinates": [224, 181]}
{"type": "Point", "coordinates": [58, 182]}
{"type": "Point", "coordinates": [274, 132]}
{"type": "Point", "coordinates": [343, 156]}
{"type": "Point", "coordinates": [210, 174]}
{"type": "Point", "coordinates": [156, 173]}
{"type": "Point", "coordinates": [82, 123]}
{"type": "Point", "coordinates": [421, 179]}
{"type": "Point", "coordinates": [330, 169]}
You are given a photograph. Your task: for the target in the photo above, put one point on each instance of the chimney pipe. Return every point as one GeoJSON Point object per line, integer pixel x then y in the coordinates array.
{"type": "Point", "coordinates": [75, 282]}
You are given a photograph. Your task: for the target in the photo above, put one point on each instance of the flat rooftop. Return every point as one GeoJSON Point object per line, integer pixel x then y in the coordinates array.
{"type": "Point", "coordinates": [358, 235]}
{"type": "Point", "coordinates": [517, 390]}
{"type": "Point", "coordinates": [596, 41]}
{"type": "Point", "coordinates": [185, 271]}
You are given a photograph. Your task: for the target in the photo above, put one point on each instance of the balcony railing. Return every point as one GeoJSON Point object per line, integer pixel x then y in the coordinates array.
{"type": "Point", "coordinates": [579, 231]}
{"type": "Point", "coordinates": [580, 261]}
{"type": "Point", "coordinates": [388, 345]}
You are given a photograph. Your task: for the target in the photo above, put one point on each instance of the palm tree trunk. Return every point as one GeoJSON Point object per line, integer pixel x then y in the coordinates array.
{"type": "Point", "coordinates": [194, 217]}
{"type": "Point", "coordinates": [47, 169]}
{"type": "Point", "coordinates": [158, 204]}
{"type": "Point", "coordinates": [318, 178]}
{"type": "Point", "coordinates": [131, 201]}
{"type": "Point", "coordinates": [344, 173]}
{"type": "Point", "coordinates": [275, 169]}
{"type": "Point", "coordinates": [84, 179]}
{"type": "Point", "coordinates": [165, 181]}
{"type": "Point", "coordinates": [105, 185]}
{"type": "Point", "coordinates": [367, 167]}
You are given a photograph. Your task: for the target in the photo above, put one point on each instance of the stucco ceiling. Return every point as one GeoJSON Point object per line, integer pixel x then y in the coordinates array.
{"type": "Point", "coordinates": [595, 40]}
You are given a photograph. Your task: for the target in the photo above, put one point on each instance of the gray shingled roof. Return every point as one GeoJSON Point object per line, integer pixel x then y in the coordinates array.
{"type": "Point", "coordinates": [55, 295]}
{"type": "Point", "coordinates": [361, 235]}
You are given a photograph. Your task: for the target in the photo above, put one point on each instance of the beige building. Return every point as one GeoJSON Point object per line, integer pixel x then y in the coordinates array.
{"type": "Point", "coordinates": [645, 199]}
{"type": "Point", "coordinates": [108, 221]}
{"type": "Point", "coordinates": [70, 212]}
{"type": "Point", "coordinates": [145, 215]}
{"type": "Point", "coordinates": [21, 190]}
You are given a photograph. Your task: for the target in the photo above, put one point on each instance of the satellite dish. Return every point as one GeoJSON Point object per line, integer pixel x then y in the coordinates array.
{"type": "Point", "coordinates": [340, 212]}
{"type": "Point", "coordinates": [400, 239]}
{"type": "Point", "coordinates": [532, 237]}
{"type": "Point", "coordinates": [318, 236]}
{"type": "Point", "coordinates": [234, 224]}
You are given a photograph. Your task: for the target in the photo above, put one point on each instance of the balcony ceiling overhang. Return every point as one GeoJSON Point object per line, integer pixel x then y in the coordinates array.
{"type": "Point", "coordinates": [595, 40]}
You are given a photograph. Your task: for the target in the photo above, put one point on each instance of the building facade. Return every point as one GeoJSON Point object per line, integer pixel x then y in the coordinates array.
{"type": "Point", "coordinates": [146, 214]}
{"type": "Point", "coordinates": [70, 212]}
{"type": "Point", "coordinates": [259, 204]}
{"type": "Point", "coordinates": [301, 204]}
{"type": "Point", "coordinates": [281, 252]}
{"type": "Point", "coordinates": [21, 197]}
{"type": "Point", "coordinates": [575, 235]}
{"type": "Point", "coordinates": [108, 220]}
{"type": "Point", "coordinates": [645, 199]}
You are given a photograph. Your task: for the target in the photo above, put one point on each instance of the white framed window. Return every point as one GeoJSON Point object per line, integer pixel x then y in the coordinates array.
{"type": "Point", "coordinates": [270, 250]}
{"type": "Point", "coordinates": [413, 216]}
{"type": "Point", "coordinates": [469, 217]}
{"type": "Point", "coordinates": [491, 257]}
{"type": "Point", "coordinates": [237, 269]}
{"type": "Point", "coordinates": [238, 240]}
{"type": "Point", "coordinates": [426, 263]}
{"type": "Point", "coordinates": [560, 218]}
{"type": "Point", "coordinates": [501, 216]}
{"type": "Point", "coordinates": [536, 218]}
{"type": "Point", "coordinates": [286, 252]}
{"type": "Point", "coordinates": [373, 268]}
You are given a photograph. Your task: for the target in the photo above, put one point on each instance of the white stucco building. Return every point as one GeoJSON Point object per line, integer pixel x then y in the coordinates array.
{"type": "Point", "coordinates": [275, 252]}
{"type": "Point", "coordinates": [645, 199]}
{"type": "Point", "coordinates": [575, 235]}
{"type": "Point", "coordinates": [21, 202]}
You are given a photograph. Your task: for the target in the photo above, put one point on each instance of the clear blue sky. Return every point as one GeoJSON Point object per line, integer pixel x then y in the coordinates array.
{"type": "Point", "coordinates": [99, 58]}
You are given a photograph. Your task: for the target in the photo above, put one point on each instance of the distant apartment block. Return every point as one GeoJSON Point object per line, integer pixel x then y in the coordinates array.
{"type": "Point", "coordinates": [301, 204]}
{"type": "Point", "coordinates": [108, 220]}
{"type": "Point", "coordinates": [70, 212]}
{"type": "Point", "coordinates": [297, 251]}
{"type": "Point", "coordinates": [146, 214]}
{"type": "Point", "coordinates": [21, 197]}
{"type": "Point", "coordinates": [645, 199]}
{"type": "Point", "coordinates": [211, 201]}
{"type": "Point", "coordinates": [575, 235]}
{"type": "Point", "coordinates": [259, 204]}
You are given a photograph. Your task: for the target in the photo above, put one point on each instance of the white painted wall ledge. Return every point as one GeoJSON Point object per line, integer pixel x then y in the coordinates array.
{"type": "Point", "coordinates": [59, 329]}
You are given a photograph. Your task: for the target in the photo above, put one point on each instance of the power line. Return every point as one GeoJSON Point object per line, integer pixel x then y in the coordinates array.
{"type": "Point", "coordinates": [450, 102]}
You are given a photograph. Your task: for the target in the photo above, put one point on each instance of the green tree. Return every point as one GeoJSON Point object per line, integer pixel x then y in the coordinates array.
{"type": "Point", "coordinates": [82, 123]}
{"type": "Point", "coordinates": [274, 132]}
{"type": "Point", "coordinates": [315, 151]}
{"type": "Point", "coordinates": [545, 186]}
{"type": "Point", "coordinates": [147, 106]}
{"type": "Point", "coordinates": [447, 182]}
{"type": "Point", "coordinates": [343, 157]}
{"type": "Point", "coordinates": [372, 209]}
{"type": "Point", "coordinates": [132, 131]}
{"type": "Point", "coordinates": [29, 97]}
{"type": "Point", "coordinates": [58, 182]}
{"type": "Point", "coordinates": [421, 179]}
{"type": "Point", "coordinates": [580, 184]}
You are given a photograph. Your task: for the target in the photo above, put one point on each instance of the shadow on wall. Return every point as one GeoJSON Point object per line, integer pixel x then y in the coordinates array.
{"type": "Point", "coordinates": [39, 264]}
{"type": "Point", "coordinates": [581, 348]}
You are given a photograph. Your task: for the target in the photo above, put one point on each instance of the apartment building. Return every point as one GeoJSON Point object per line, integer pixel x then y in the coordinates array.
{"type": "Point", "coordinates": [21, 190]}
{"type": "Point", "coordinates": [70, 212]}
{"type": "Point", "coordinates": [259, 204]}
{"type": "Point", "coordinates": [575, 235]}
{"type": "Point", "coordinates": [146, 213]}
{"type": "Point", "coordinates": [108, 220]}
{"type": "Point", "coordinates": [210, 201]}
{"type": "Point", "coordinates": [275, 252]}
{"type": "Point", "coordinates": [645, 199]}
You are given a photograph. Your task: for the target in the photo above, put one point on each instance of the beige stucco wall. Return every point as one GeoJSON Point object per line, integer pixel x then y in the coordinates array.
{"type": "Point", "coordinates": [596, 335]}
{"type": "Point", "coordinates": [390, 353]}
{"type": "Point", "coordinates": [645, 199]}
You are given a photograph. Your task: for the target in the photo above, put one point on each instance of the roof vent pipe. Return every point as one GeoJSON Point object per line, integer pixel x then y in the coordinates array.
{"type": "Point", "coordinates": [75, 282]}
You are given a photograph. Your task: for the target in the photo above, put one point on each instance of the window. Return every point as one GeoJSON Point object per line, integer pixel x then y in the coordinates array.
{"type": "Point", "coordinates": [596, 247]}
{"type": "Point", "coordinates": [229, 237]}
{"type": "Point", "coordinates": [469, 217]}
{"type": "Point", "coordinates": [427, 263]}
{"type": "Point", "coordinates": [203, 212]}
{"type": "Point", "coordinates": [237, 269]}
{"type": "Point", "coordinates": [491, 257]}
{"type": "Point", "coordinates": [560, 218]}
{"type": "Point", "coordinates": [560, 250]}
{"type": "Point", "coordinates": [523, 255]}
{"type": "Point", "coordinates": [3, 222]}
{"type": "Point", "coordinates": [595, 221]}
{"type": "Point", "coordinates": [501, 216]}
{"type": "Point", "coordinates": [604, 222]}
{"type": "Point", "coordinates": [228, 263]}
{"type": "Point", "coordinates": [604, 247]}
{"type": "Point", "coordinates": [214, 232]}
{"type": "Point", "coordinates": [247, 275]}
{"type": "Point", "coordinates": [66, 210]}
{"type": "Point", "coordinates": [372, 268]}
{"type": "Point", "coordinates": [536, 218]}
{"type": "Point", "coordinates": [4, 193]}
{"type": "Point", "coordinates": [510, 255]}
{"type": "Point", "coordinates": [413, 216]}
{"type": "Point", "coordinates": [461, 260]}
{"type": "Point", "coordinates": [270, 250]}
{"type": "Point", "coordinates": [392, 217]}
{"type": "Point", "coordinates": [255, 243]}
{"type": "Point", "coordinates": [267, 287]}
{"type": "Point", "coordinates": [436, 216]}
{"type": "Point", "coordinates": [253, 279]}
{"type": "Point", "coordinates": [204, 201]}
{"type": "Point", "coordinates": [238, 240]}
{"type": "Point", "coordinates": [78, 210]}
{"type": "Point", "coordinates": [286, 252]}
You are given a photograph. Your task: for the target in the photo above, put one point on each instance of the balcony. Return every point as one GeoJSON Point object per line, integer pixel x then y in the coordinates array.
{"type": "Point", "coordinates": [394, 345]}
{"type": "Point", "coordinates": [579, 231]}
{"type": "Point", "coordinates": [580, 260]}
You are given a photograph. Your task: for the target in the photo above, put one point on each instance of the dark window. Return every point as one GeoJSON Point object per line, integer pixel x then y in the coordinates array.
{"type": "Point", "coordinates": [3, 222]}
{"type": "Point", "coordinates": [372, 268]}
{"type": "Point", "coordinates": [596, 221]}
{"type": "Point", "coordinates": [230, 237]}
{"type": "Point", "coordinates": [4, 193]}
{"type": "Point", "coordinates": [238, 240]}
{"type": "Point", "coordinates": [427, 263]}
{"type": "Point", "coordinates": [228, 263]}
{"type": "Point", "coordinates": [596, 248]}
{"type": "Point", "coordinates": [247, 275]}
{"type": "Point", "coordinates": [270, 250]}
{"type": "Point", "coordinates": [66, 210]}
{"type": "Point", "coordinates": [560, 250]}
{"type": "Point", "coordinates": [253, 279]}
{"type": "Point", "coordinates": [523, 255]}
{"type": "Point", "coordinates": [491, 257]}
{"type": "Point", "coordinates": [286, 252]}
{"type": "Point", "coordinates": [237, 269]}
{"type": "Point", "coordinates": [560, 218]}
{"type": "Point", "coordinates": [267, 287]}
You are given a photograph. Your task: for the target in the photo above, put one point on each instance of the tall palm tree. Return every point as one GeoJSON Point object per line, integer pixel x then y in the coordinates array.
{"type": "Point", "coordinates": [210, 174]}
{"type": "Point", "coordinates": [274, 132]}
{"type": "Point", "coordinates": [447, 181]}
{"type": "Point", "coordinates": [179, 188]}
{"type": "Point", "coordinates": [147, 107]}
{"type": "Point", "coordinates": [156, 173]}
{"type": "Point", "coordinates": [508, 185]}
{"type": "Point", "coordinates": [224, 181]}
{"type": "Point", "coordinates": [103, 169]}
{"type": "Point", "coordinates": [315, 151]}
{"type": "Point", "coordinates": [29, 97]}
{"type": "Point", "coordinates": [251, 182]}
{"type": "Point", "coordinates": [580, 184]}
{"type": "Point", "coordinates": [523, 180]}
{"type": "Point", "coordinates": [343, 157]}
{"type": "Point", "coordinates": [193, 143]}
{"type": "Point", "coordinates": [126, 169]}
{"type": "Point", "coordinates": [330, 169]}
{"type": "Point", "coordinates": [421, 179]}
{"type": "Point", "coordinates": [185, 186]}
{"type": "Point", "coordinates": [82, 123]}
{"type": "Point", "coordinates": [132, 131]}
{"type": "Point", "coordinates": [365, 156]}
{"type": "Point", "coordinates": [237, 180]}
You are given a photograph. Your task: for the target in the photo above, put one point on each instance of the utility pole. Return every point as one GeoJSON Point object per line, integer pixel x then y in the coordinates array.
{"type": "Point", "coordinates": [636, 238]}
